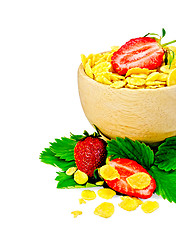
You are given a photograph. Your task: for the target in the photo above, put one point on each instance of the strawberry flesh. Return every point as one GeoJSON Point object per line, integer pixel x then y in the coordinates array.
{"type": "Point", "coordinates": [143, 52]}
{"type": "Point", "coordinates": [126, 168]}
{"type": "Point", "coordinates": [90, 154]}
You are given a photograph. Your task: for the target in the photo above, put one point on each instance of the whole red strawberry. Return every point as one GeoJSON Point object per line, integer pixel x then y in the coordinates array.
{"type": "Point", "coordinates": [126, 168]}
{"type": "Point", "coordinates": [90, 154]}
{"type": "Point", "coordinates": [142, 52]}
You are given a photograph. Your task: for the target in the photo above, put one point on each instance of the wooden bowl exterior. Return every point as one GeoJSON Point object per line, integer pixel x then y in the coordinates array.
{"type": "Point", "coordinates": [147, 115]}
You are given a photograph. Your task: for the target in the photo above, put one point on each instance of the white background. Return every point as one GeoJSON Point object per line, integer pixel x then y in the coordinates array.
{"type": "Point", "coordinates": [40, 47]}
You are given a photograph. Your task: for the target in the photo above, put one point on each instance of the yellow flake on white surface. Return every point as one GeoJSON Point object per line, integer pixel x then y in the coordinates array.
{"type": "Point", "coordinates": [76, 213]}
{"type": "Point", "coordinates": [88, 195]}
{"type": "Point", "coordinates": [106, 193]}
{"type": "Point", "coordinates": [149, 206]}
{"type": "Point", "coordinates": [104, 210]}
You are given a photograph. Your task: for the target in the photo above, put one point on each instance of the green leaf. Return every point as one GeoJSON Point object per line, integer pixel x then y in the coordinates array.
{"type": "Point", "coordinates": [165, 157]}
{"type": "Point", "coordinates": [65, 181]}
{"type": "Point", "coordinates": [134, 150]}
{"type": "Point", "coordinates": [64, 148]}
{"type": "Point", "coordinates": [76, 137]}
{"type": "Point", "coordinates": [48, 157]}
{"type": "Point", "coordinates": [163, 32]}
{"type": "Point", "coordinates": [165, 183]}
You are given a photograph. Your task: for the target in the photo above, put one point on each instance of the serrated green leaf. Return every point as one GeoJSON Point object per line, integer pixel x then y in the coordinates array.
{"type": "Point", "coordinates": [64, 148]}
{"type": "Point", "coordinates": [134, 150]}
{"type": "Point", "coordinates": [76, 137]}
{"type": "Point", "coordinates": [165, 183]}
{"type": "Point", "coordinates": [165, 157]}
{"type": "Point", "coordinates": [48, 157]}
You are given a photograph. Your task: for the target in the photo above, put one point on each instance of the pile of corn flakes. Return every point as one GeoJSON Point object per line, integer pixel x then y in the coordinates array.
{"type": "Point", "coordinates": [98, 67]}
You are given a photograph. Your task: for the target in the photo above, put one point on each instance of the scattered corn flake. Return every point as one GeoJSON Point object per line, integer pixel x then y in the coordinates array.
{"type": "Point", "coordinates": [172, 78]}
{"type": "Point", "coordinates": [71, 170]}
{"type": "Point", "coordinates": [104, 210]}
{"type": "Point", "coordinates": [153, 76]}
{"type": "Point", "coordinates": [80, 177]}
{"type": "Point", "coordinates": [118, 84]}
{"type": "Point", "coordinates": [106, 193]}
{"type": "Point", "coordinates": [149, 206]}
{"type": "Point", "coordinates": [136, 81]}
{"type": "Point", "coordinates": [108, 172]}
{"type": "Point", "coordinates": [165, 69]}
{"type": "Point", "coordinates": [129, 204]}
{"type": "Point", "coordinates": [136, 199]}
{"type": "Point", "coordinates": [76, 213]}
{"type": "Point", "coordinates": [99, 183]}
{"type": "Point", "coordinates": [88, 195]}
{"type": "Point", "coordinates": [88, 69]}
{"type": "Point", "coordinates": [139, 180]}
{"type": "Point", "coordinates": [81, 201]}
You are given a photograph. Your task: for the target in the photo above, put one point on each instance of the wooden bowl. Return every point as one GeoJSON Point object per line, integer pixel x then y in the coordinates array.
{"type": "Point", "coordinates": [147, 115]}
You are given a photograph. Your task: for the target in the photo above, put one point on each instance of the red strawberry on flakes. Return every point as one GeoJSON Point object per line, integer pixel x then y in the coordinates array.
{"type": "Point", "coordinates": [142, 52]}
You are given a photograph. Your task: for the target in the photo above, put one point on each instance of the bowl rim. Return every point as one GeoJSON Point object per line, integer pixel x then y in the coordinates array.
{"type": "Point", "coordinates": [81, 70]}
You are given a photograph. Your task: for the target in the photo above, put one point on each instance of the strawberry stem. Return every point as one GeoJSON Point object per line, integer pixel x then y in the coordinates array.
{"type": "Point", "coordinates": [168, 43]}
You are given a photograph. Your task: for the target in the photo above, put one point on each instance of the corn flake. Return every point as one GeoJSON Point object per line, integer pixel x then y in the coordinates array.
{"type": "Point", "coordinates": [129, 204]}
{"type": "Point", "coordinates": [81, 201]}
{"type": "Point", "coordinates": [144, 76]}
{"type": "Point", "coordinates": [104, 210]}
{"type": "Point", "coordinates": [136, 81]}
{"type": "Point", "coordinates": [165, 69]}
{"type": "Point", "coordinates": [118, 84]}
{"type": "Point", "coordinates": [71, 170]}
{"type": "Point", "coordinates": [108, 172]}
{"type": "Point", "coordinates": [101, 67]}
{"type": "Point", "coordinates": [106, 193]}
{"type": "Point", "coordinates": [80, 177]}
{"type": "Point", "coordinates": [88, 69]}
{"type": "Point", "coordinates": [76, 213]}
{"type": "Point", "coordinates": [136, 199]}
{"type": "Point", "coordinates": [88, 195]}
{"type": "Point", "coordinates": [138, 71]}
{"type": "Point", "coordinates": [172, 78]}
{"type": "Point", "coordinates": [139, 180]}
{"type": "Point", "coordinates": [99, 183]}
{"type": "Point", "coordinates": [153, 76]}
{"type": "Point", "coordinates": [149, 206]}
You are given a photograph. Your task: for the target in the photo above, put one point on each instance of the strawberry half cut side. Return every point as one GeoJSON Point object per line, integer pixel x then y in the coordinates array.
{"type": "Point", "coordinates": [126, 168]}
{"type": "Point", "coordinates": [142, 52]}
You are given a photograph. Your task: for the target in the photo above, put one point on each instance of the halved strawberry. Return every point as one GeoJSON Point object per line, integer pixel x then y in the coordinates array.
{"type": "Point", "coordinates": [126, 168]}
{"type": "Point", "coordinates": [142, 52]}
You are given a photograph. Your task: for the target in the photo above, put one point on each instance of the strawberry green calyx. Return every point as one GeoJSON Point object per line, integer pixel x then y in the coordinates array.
{"type": "Point", "coordinates": [168, 53]}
